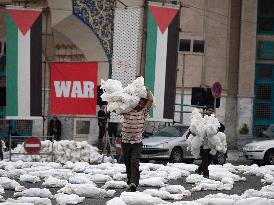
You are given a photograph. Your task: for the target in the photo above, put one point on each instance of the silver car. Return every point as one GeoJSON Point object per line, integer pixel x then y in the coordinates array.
{"type": "Point", "coordinates": [170, 144]}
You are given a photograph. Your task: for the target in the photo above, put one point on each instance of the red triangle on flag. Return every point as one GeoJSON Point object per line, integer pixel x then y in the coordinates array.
{"type": "Point", "coordinates": [23, 19]}
{"type": "Point", "coordinates": [163, 16]}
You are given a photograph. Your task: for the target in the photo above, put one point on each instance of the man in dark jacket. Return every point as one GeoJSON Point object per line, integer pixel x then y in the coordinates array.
{"type": "Point", "coordinates": [55, 128]}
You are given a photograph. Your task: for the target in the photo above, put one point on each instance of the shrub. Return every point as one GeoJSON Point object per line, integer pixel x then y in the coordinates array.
{"type": "Point", "coordinates": [244, 129]}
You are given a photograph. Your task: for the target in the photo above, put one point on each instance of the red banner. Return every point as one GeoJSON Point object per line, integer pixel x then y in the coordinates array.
{"type": "Point", "coordinates": [73, 88]}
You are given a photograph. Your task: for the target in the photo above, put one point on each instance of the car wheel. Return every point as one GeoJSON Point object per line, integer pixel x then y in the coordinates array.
{"type": "Point", "coordinates": [219, 158]}
{"type": "Point", "coordinates": [176, 155]}
{"type": "Point", "coordinates": [269, 157]}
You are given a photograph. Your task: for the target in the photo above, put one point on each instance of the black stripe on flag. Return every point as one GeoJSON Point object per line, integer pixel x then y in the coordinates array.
{"type": "Point", "coordinates": [36, 68]}
{"type": "Point", "coordinates": [171, 68]}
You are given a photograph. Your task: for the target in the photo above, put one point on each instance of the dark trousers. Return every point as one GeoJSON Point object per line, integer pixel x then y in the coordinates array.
{"type": "Point", "coordinates": [112, 132]}
{"type": "Point", "coordinates": [132, 154]}
{"type": "Point", "coordinates": [206, 161]}
{"type": "Point", "coordinates": [102, 132]}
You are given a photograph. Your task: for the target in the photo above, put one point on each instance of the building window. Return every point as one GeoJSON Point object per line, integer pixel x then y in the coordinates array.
{"type": "Point", "coordinates": [265, 23]}
{"type": "Point", "coordinates": [185, 45]}
{"type": "Point", "coordinates": [265, 72]}
{"type": "Point", "coordinates": [82, 127]}
{"type": "Point", "coordinates": [198, 46]}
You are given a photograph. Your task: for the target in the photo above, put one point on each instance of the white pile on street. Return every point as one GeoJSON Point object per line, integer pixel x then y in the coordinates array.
{"type": "Point", "coordinates": [123, 100]}
{"type": "Point", "coordinates": [204, 131]}
{"type": "Point", "coordinates": [75, 181]}
{"type": "Point", "coordinates": [64, 151]}
{"type": "Point", "coordinates": [64, 199]}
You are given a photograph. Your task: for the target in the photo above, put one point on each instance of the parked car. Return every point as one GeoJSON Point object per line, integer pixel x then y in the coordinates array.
{"type": "Point", "coordinates": [170, 144]}
{"type": "Point", "coordinates": [261, 151]}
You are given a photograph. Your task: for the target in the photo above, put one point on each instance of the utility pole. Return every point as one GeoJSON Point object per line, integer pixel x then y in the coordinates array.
{"type": "Point", "coordinates": [182, 91]}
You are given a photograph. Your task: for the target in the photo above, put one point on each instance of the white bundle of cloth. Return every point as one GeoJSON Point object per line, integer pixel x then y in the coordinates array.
{"type": "Point", "coordinates": [205, 132]}
{"type": "Point", "coordinates": [64, 151]}
{"type": "Point", "coordinates": [123, 100]}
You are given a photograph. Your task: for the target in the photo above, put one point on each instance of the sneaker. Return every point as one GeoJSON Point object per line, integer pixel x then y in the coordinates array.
{"type": "Point", "coordinates": [132, 187]}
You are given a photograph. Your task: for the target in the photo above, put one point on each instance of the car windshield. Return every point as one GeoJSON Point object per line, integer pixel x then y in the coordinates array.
{"type": "Point", "coordinates": [168, 132]}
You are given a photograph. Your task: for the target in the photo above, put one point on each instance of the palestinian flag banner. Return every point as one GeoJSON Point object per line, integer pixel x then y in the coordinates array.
{"type": "Point", "coordinates": [24, 63]}
{"type": "Point", "coordinates": [161, 57]}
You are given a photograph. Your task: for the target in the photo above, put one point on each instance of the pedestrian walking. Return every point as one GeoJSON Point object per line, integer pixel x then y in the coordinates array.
{"type": "Point", "coordinates": [55, 128]}
{"type": "Point", "coordinates": [205, 151]}
{"type": "Point", "coordinates": [132, 129]}
{"type": "Point", "coordinates": [102, 122]}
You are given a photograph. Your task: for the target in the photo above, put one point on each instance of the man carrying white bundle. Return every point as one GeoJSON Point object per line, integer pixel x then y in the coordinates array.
{"type": "Point", "coordinates": [132, 130]}
{"type": "Point", "coordinates": [205, 150]}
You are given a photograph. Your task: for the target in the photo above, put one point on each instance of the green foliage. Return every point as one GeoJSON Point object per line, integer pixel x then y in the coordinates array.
{"type": "Point", "coordinates": [244, 130]}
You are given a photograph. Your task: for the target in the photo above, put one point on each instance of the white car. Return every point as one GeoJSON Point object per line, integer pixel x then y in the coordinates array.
{"type": "Point", "coordinates": [260, 151]}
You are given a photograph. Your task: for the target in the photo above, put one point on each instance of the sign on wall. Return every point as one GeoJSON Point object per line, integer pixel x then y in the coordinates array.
{"type": "Point", "coordinates": [73, 88]}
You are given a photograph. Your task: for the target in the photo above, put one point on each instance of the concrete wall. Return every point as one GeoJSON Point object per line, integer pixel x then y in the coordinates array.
{"type": "Point", "coordinates": [247, 60]}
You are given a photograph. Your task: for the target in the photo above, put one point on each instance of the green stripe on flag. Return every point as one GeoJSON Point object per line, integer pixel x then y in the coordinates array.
{"type": "Point", "coordinates": [12, 65]}
{"type": "Point", "coordinates": [151, 53]}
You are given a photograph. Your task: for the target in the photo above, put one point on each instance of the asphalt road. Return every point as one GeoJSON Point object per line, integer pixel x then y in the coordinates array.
{"type": "Point", "coordinates": [252, 182]}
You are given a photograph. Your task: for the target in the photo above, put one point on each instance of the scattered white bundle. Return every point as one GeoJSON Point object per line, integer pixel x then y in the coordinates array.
{"type": "Point", "coordinates": [153, 182]}
{"type": "Point", "coordinates": [162, 194]}
{"type": "Point", "coordinates": [148, 174]}
{"type": "Point", "coordinates": [34, 192]}
{"type": "Point", "coordinates": [140, 198]}
{"type": "Point", "coordinates": [115, 185]}
{"type": "Point", "coordinates": [123, 100]}
{"type": "Point", "coordinates": [205, 132]}
{"type": "Point", "coordinates": [119, 176]}
{"type": "Point", "coordinates": [15, 202]}
{"type": "Point", "coordinates": [170, 192]}
{"type": "Point", "coordinates": [86, 190]}
{"type": "Point", "coordinates": [64, 151]}
{"type": "Point", "coordinates": [64, 199]}
{"type": "Point", "coordinates": [100, 178]}
{"type": "Point", "coordinates": [80, 166]}
{"type": "Point", "coordinates": [116, 201]}
{"type": "Point", "coordinates": [34, 200]}
{"type": "Point", "coordinates": [10, 184]}
{"type": "Point", "coordinates": [208, 184]}
{"type": "Point", "coordinates": [194, 178]}
{"type": "Point", "coordinates": [29, 178]}
{"type": "Point", "coordinates": [176, 189]}
{"type": "Point", "coordinates": [15, 173]}
{"type": "Point", "coordinates": [80, 179]}
{"type": "Point", "coordinates": [52, 182]}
